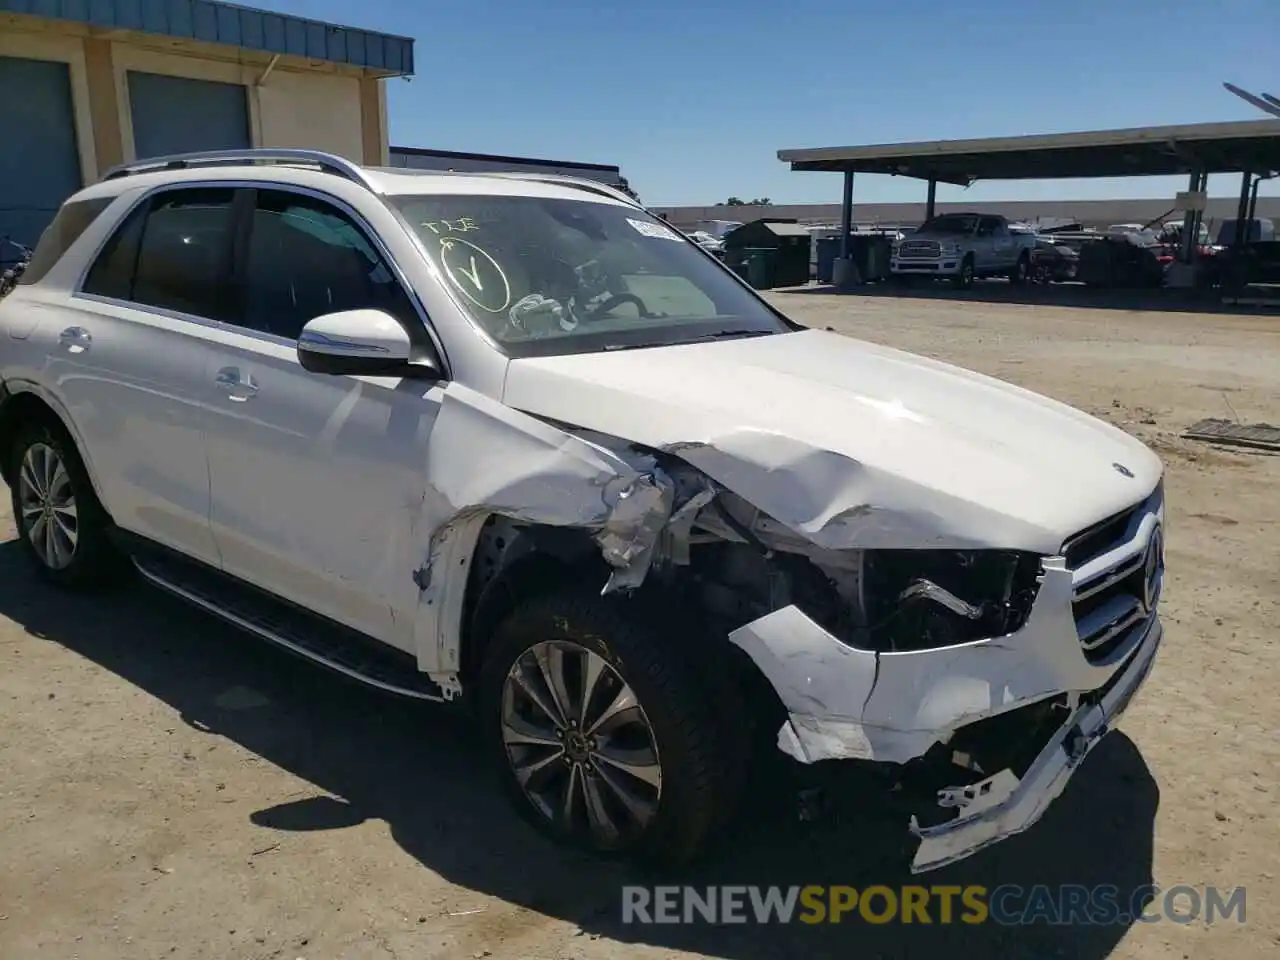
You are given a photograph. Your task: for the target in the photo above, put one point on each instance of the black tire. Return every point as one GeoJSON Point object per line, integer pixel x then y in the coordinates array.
{"type": "Point", "coordinates": [693, 755]}
{"type": "Point", "coordinates": [964, 279]}
{"type": "Point", "coordinates": [93, 560]}
{"type": "Point", "coordinates": [1021, 271]}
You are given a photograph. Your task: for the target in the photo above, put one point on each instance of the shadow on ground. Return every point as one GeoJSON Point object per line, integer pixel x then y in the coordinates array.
{"type": "Point", "coordinates": [1049, 295]}
{"type": "Point", "coordinates": [417, 768]}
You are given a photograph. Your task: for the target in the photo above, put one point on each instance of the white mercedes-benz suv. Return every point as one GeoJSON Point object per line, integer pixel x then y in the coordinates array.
{"type": "Point", "coordinates": [510, 441]}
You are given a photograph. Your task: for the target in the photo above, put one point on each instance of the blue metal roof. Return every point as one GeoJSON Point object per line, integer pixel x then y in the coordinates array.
{"type": "Point", "coordinates": [212, 22]}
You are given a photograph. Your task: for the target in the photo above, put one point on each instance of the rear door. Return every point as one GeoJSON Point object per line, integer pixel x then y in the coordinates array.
{"type": "Point", "coordinates": [984, 245]}
{"type": "Point", "coordinates": [317, 480]}
{"type": "Point", "coordinates": [1003, 254]}
{"type": "Point", "coordinates": [128, 359]}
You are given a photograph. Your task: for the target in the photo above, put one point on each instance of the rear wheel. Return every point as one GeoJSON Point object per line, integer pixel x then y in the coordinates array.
{"type": "Point", "coordinates": [602, 731]}
{"type": "Point", "coordinates": [62, 525]}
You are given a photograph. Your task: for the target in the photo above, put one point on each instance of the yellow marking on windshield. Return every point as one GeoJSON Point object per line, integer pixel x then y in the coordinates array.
{"type": "Point", "coordinates": [451, 250]}
{"type": "Point", "coordinates": [460, 225]}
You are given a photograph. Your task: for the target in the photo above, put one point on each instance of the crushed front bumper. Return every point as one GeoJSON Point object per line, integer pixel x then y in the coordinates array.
{"type": "Point", "coordinates": [853, 704]}
{"type": "Point", "coordinates": [1004, 805]}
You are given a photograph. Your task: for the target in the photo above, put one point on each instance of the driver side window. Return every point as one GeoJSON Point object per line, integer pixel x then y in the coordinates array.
{"type": "Point", "coordinates": [306, 258]}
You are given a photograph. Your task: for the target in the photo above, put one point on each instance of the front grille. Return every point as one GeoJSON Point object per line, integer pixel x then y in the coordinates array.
{"type": "Point", "coordinates": [925, 249]}
{"type": "Point", "coordinates": [1117, 569]}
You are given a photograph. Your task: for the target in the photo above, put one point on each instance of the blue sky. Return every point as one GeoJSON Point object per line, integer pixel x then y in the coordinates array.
{"type": "Point", "coordinates": [694, 99]}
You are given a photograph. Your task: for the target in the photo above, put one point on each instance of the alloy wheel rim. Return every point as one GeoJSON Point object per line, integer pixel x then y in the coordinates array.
{"type": "Point", "coordinates": [47, 506]}
{"type": "Point", "coordinates": [579, 743]}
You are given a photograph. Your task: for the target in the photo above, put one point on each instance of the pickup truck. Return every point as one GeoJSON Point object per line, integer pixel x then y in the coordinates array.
{"type": "Point", "coordinates": [963, 246]}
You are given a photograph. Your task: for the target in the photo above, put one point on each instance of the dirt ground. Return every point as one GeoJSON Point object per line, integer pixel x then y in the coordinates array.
{"type": "Point", "coordinates": [170, 788]}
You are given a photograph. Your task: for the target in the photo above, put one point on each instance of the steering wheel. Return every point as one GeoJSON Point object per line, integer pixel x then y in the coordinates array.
{"type": "Point", "coordinates": [616, 301]}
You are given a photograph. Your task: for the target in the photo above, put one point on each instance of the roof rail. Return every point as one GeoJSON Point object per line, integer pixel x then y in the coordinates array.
{"type": "Point", "coordinates": [582, 183]}
{"type": "Point", "coordinates": [328, 162]}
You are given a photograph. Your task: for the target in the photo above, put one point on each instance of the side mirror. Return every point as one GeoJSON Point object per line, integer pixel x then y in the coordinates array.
{"type": "Point", "coordinates": [367, 343]}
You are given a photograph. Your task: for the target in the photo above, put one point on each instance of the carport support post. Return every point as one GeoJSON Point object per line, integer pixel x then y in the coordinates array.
{"type": "Point", "coordinates": [846, 215]}
{"type": "Point", "coordinates": [931, 200]}
{"type": "Point", "coordinates": [1242, 211]}
{"type": "Point", "coordinates": [1191, 219]}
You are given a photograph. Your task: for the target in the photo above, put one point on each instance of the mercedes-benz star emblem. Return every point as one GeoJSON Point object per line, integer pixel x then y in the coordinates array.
{"type": "Point", "coordinates": [1124, 471]}
{"type": "Point", "coordinates": [1151, 570]}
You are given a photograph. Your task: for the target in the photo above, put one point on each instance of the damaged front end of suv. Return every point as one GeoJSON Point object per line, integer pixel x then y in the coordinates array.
{"type": "Point", "coordinates": [977, 677]}
{"type": "Point", "coordinates": [981, 677]}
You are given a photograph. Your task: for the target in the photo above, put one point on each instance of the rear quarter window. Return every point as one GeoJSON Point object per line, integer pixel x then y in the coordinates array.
{"type": "Point", "coordinates": [65, 229]}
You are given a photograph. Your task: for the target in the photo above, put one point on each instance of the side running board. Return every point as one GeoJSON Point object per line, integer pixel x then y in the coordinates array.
{"type": "Point", "coordinates": [321, 641]}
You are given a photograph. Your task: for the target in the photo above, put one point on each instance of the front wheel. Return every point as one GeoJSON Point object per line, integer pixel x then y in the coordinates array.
{"type": "Point", "coordinates": [964, 279]}
{"type": "Point", "coordinates": [602, 731]}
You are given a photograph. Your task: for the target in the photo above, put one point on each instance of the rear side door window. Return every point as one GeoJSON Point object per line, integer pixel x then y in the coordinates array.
{"type": "Point", "coordinates": [305, 258]}
{"type": "Point", "coordinates": [174, 253]}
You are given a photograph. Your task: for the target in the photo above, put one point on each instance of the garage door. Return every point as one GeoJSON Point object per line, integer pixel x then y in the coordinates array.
{"type": "Point", "coordinates": [177, 115]}
{"type": "Point", "coordinates": [39, 161]}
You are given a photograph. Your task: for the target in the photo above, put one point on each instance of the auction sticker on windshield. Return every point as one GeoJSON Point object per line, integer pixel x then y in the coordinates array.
{"type": "Point", "coordinates": [655, 230]}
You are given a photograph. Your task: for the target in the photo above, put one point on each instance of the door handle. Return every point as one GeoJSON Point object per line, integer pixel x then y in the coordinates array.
{"type": "Point", "coordinates": [75, 339]}
{"type": "Point", "coordinates": [240, 388]}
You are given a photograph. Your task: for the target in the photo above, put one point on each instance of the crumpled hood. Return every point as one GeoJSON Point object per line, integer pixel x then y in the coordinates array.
{"type": "Point", "coordinates": [852, 444]}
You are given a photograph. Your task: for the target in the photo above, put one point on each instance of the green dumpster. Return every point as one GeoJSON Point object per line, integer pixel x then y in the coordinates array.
{"type": "Point", "coordinates": [782, 248]}
{"type": "Point", "coordinates": [761, 262]}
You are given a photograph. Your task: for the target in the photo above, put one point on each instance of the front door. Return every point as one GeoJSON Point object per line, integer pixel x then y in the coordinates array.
{"type": "Point", "coordinates": [317, 481]}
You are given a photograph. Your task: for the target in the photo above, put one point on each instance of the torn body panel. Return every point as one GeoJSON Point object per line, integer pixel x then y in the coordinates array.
{"type": "Point", "coordinates": [486, 459]}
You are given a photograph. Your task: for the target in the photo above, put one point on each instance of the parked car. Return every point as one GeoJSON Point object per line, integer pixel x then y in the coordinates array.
{"type": "Point", "coordinates": [511, 442]}
{"type": "Point", "coordinates": [963, 246]}
{"type": "Point", "coordinates": [1053, 261]}
{"type": "Point", "coordinates": [1260, 230]}
{"type": "Point", "coordinates": [707, 242]}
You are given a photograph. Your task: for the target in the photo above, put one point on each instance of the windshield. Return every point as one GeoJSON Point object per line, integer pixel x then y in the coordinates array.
{"type": "Point", "coordinates": [952, 223]}
{"type": "Point", "coordinates": [547, 276]}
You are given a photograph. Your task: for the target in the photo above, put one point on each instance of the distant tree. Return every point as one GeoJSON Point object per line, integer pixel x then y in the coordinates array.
{"type": "Point", "coordinates": [739, 202]}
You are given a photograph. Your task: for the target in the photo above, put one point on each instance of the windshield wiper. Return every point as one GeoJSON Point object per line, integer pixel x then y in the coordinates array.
{"type": "Point", "coordinates": [701, 338]}
{"type": "Point", "coordinates": [727, 334]}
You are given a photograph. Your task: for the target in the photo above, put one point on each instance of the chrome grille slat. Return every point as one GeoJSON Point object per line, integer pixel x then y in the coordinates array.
{"type": "Point", "coordinates": [1095, 630]}
{"type": "Point", "coordinates": [1116, 574]}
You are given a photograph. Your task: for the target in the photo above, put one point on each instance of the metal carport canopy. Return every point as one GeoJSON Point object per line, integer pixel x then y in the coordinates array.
{"type": "Point", "coordinates": [1135, 152]}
